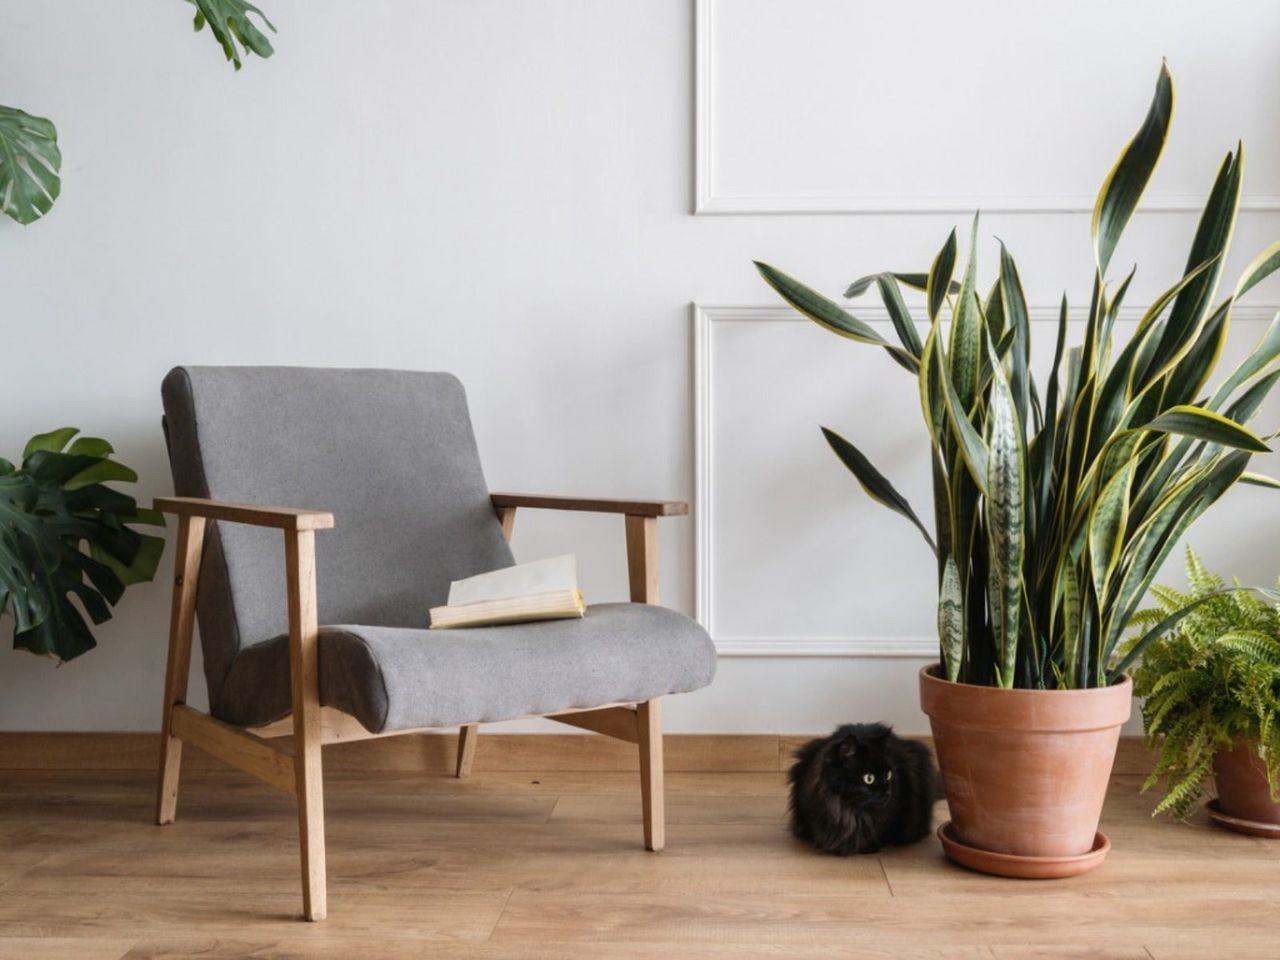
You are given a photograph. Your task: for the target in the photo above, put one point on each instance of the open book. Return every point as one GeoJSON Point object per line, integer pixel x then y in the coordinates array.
{"type": "Point", "coordinates": [542, 590]}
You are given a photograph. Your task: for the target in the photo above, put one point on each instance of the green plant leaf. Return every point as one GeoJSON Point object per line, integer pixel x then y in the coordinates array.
{"type": "Point", "coordinates": [1192, 421]}
{"type": "Point", "coordinates": [951, 619]}
{"type": "Point", "coordinates": [65, 536]}
{"type": "Point", "coordinates": [1213, 236]}
{"type": "Point", "coordinates": [970, 443]}
{"type": "Point", "coordinates": [1107, 524]}
{"type": "Point", "coordinates": [876, 485]}
{"type": "Point", "coordinates": [1006, 497]}
{"type": "Point", "coordinates": [1261, 267]}
{"type": "Point", "coordinates": [230, 25]}
{"type": "Point", "coordinates": [967, 334]}
{"type": "Point", "coordinates": [30, 162]}
{"type": "Point", "coordinates": [829, 314]}
{"type": "Point", "coordinates": [54, 441]}
{"type": "Point", "coordinates": [1161, 628]}
{"type": "Point", "coordinates": [1127, 180]}
{"type": "Point", "coordinates": [1260, 480]}
{"type": "Point", "coordinates": [939, 280]}
{"type": "Point", "coordinates": [899, 314]}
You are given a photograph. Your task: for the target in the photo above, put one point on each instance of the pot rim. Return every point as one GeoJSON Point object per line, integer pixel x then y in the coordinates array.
{"type": "Point", "coordinates": [1029, 711]}
{"type": "Point", "coordinates": [933, 671]}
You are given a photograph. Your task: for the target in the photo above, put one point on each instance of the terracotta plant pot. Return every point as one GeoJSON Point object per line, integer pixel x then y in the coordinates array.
{"type": "Point", "coordinates": [1243, 791]}
{"type": "Point", "coordinates": [1025, 771]}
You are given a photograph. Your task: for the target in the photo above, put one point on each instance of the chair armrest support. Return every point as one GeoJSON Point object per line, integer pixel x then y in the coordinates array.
{"type": "Point", "coordinates": [281, 518]}
{"type": "Point", "coordinates": [633, 508]}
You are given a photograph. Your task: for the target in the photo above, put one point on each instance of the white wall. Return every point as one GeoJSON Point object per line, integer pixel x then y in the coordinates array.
{"type": "Point", "coordinates": [504, 189]}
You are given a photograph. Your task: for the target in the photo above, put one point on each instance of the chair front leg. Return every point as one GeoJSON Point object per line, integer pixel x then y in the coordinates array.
{"type": "Point", "coordinates": [642, 572]}
{"type": "Point", "coordinates": [300, 564]}
{"type": "Point", "coordinates": [652, 798]}
{"type": "Point", "coordinates": [186, 572]}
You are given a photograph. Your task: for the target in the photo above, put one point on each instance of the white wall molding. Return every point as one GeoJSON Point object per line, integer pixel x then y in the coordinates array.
{"type": "Point", "coordinates": [704, 316]}
{"type": "Point", "coordinates": [708, 200]}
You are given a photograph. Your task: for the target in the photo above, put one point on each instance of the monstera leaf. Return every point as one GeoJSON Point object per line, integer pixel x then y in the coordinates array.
{"type": "Point", "coordinates": [29, 165]}
{"type": "Point", "coordinates": [229, 21]}
{"type": "Point", "coordinates": [65, 534]}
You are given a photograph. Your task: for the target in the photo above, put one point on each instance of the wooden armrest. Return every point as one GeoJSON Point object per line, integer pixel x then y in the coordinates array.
{"type": "Point", "coordinates": [632, 508]}
{"type": "Point", "coordinates": [282, 518]}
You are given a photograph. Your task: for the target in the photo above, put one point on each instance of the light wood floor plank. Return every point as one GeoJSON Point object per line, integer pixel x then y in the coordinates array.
{"type": "Point", "coordinates": [516, 865]}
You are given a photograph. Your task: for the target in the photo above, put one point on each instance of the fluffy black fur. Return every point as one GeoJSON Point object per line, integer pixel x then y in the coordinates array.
{"type": "Point", "coordinates": [862, 788]}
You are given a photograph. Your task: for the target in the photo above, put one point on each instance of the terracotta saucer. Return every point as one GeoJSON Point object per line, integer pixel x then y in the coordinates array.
{"type": "Point", "coordinates": [1023, 868]}
{"type": "Point", "coordinates": [1254, 828]}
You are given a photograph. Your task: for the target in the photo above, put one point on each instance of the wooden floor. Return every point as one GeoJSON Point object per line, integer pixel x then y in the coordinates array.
{"type": "Point", "coordinates": [520, 866]}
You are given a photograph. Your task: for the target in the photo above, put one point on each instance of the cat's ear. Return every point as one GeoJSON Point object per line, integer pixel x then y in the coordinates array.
{"type": "Point", "coordinates": [848, 748]}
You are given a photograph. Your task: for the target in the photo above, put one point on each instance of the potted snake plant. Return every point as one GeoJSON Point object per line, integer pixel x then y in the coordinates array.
{"type": "Point", "coordinates": [1053, 511]}
{"type": "Point", "coordinates": [1211, 690]}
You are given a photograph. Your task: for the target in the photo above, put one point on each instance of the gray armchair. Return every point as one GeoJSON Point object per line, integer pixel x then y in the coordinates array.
{"type": "Point", "coordinates": [331, 644]}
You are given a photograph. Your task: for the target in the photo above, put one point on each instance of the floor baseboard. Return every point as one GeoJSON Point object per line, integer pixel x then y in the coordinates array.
{"type": "Point", "coordinates": [434, 753]}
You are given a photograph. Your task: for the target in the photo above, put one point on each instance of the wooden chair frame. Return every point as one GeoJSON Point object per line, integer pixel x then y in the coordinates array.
{"type": "Point", "coordinates": [294, 766]}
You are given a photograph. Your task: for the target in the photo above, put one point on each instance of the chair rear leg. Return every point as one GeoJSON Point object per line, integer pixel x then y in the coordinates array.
{"type": "Point", "coordinates": [181, 620]}
{"type": "Point", "coordinates": [652, 791]}
{"type": "Point", "coordinates": [468, 734]}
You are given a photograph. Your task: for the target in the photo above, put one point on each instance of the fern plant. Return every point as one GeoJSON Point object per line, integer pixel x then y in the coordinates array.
{"type": "Point", "coordinates": [1210, 683]}
{"type": "Point", "coordinates": [1054, 509]}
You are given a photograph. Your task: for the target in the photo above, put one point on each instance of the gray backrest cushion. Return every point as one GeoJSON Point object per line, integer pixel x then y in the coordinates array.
{"type": "Point", "coordinates": [390, 453]}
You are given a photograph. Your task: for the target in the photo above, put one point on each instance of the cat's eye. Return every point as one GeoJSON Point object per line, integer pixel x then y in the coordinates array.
{"type": "Point", "coordinates": [889, 775]}
{"type": "Point", "coordinates": [868, 778]}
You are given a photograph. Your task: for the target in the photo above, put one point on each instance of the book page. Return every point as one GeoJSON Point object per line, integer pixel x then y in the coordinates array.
{"type": "Point", "coordinates": [541, 576]}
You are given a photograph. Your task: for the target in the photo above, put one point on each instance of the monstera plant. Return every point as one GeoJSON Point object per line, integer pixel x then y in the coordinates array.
{"type": "Point", "coordinates": [1053, 510]}
{"type": "Point", "coordinates": [65, 534]}
{"type": "Point", "coordinates": [30, 161]}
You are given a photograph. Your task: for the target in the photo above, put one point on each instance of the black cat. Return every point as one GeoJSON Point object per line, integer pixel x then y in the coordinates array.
{"type": "Point", "coordinates": [862, 788]}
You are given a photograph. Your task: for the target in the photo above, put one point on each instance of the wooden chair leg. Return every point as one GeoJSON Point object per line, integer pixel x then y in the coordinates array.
{"type": "Point", "coordinates": [300, 562]}
{"type": "Point", "coordinates": [468, 733]}
{"type": "Point", "coordinates": [186, 573]}
{"type": "Point", "coordinates": [652, 790]}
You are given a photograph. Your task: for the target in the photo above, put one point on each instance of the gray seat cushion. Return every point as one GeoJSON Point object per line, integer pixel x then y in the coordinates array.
{"type": "Point", "coordinates": [398, 678]}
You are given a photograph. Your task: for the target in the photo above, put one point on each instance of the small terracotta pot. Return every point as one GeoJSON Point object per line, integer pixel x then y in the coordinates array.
{"type": "Point", "coordinates": [1243, 791]}
{"type": "Point", "coordinates": [1025, 771]}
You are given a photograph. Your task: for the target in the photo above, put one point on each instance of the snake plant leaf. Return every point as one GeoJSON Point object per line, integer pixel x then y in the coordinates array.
{"type": "Point", "coordinates": [1260, 357]}
{"type": "Point", "coordinates": [1163, 627]}
{"type": "Point", "coordinates": [1006, 496]}
{"type": "Point", "coordinates": [896, 307]}
{"type": "Point", "coordinates": [1242, 409]}
{"type": "Point", "coordinates": [1259, 480]}
{"type": "Point", "coordinates": [1185, 381]}
{"type": "Point", "coordinates": [829, 314]}
{"type": "Point", "coordinates": [939, 284]}
{"type": "Point", "coordinates": [916, 281]}
{"type": "Point", "coordinates": [1107, 525]}
{"type": "Point", "coordinates": [1124, 185]}
{"type": "Point", "coordinates": [30, 165]}
{"type": "Point", "coordinates": [967, 335]}
{"type": "Point", "coordinates": [230, 25]}
{"type": "Point", "coordinates": [971, 446]}
{"type": "Point", "coordinates": [1071, 625]}
{"type": "Point", "coordinates": [1191, 421]}
{"type": "Point", "coordinates": [1261, 267]}
{"type": "Point", "coordinates": [876, 485]}
{"type": "Point", "coordinates": [1213, 236]}
{"type": "Point", "coordinates": [951, 619]}
{"type": "Point", "coordinates": [1013, 304]}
